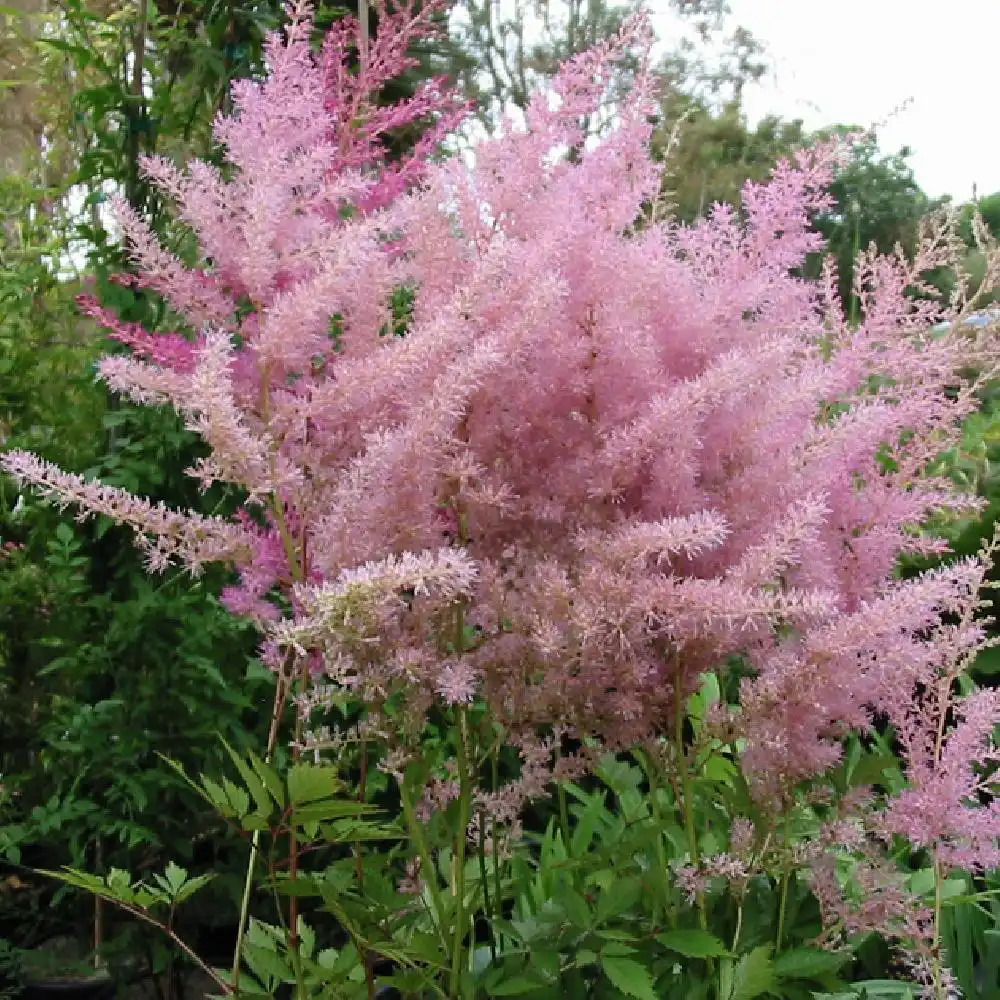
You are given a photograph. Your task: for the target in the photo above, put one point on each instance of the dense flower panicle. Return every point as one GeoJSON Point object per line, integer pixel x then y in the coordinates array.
{"type": "Point", "coordinates": [194, 294]}
{"type": "Point", "coordinates": [617, 453]}
{"type": "Point", "coordinates": [167, 350]}
{"type": "Point", "coordinates": [359, 123]}
{"type": "Point", "coordinates": [635, 541]}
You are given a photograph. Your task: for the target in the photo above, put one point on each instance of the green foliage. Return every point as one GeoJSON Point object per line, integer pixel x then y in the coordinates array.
{"type": "Point", "coordinates": [716, 152]}
{"type": "Point", "coordinates": [972, 936]}
{"type": "Point", "coordinates": [592, 906]}
{"type": "Point", "coordinates": [91, 645]}
{"type": "Point", "coordinates": [91, 649]}
{"type": "Point", "coordinates": [988, 208]}
{"type": "Point", "coordinates": [604, 904]}
{"type": "Point", "coordinates": [877, 201]}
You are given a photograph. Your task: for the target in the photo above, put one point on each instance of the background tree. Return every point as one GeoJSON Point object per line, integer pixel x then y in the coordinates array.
{"type": "Point", "coordinates": [988, 209]}
{"type": "Point", "coordinates": [509, 46]}
{"type": "Point", "coordinates": [877, 200]}
{"type": "Point", "coordinates": [717, 61]}
{"type": "Point", "coordinates": [712, 153]}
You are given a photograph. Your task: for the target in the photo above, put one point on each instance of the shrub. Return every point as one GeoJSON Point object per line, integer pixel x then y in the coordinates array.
{"type": "Point", "coordinates": [605, 462]}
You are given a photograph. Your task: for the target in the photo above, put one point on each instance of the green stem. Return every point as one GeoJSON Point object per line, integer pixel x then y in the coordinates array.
{"type": "Point", "coordinates": [739, 927]}
{"type": "Point", "coordinates": [561, 797]}
{"type": "Point", "coordinates": [359, 868]}
{"type": "Point", "coordinates": [484, 878]}
{"type": "Point", "coordinates": [295, 953]}
{"type": "Point", "coordinates": [283, 685]}
{"type": "Point", "coordinates": [563, 815]}
{"type": "Point", "coordinates": [782, 911]}
{"type": "Point", "coordinates": [141, 914]}
{"type": "Point", "coordinates": [661, 854]}
{"type": "Point", "coordinates": [939, 992]}
{"type": "Point", "coordinates": [495, 844]}
{"type": "Point", "coordinates": [461, 835]}
{"type": "Point", "coordinates": [687, 794]}
{"type": "Point", "coordinates": [427, 868]}
{"type": "Point", "coordinates": [279, 702]}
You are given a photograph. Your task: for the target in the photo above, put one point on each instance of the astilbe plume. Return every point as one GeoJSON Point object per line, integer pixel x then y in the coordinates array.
{"type": "Point", "coordinates": [617, 452]}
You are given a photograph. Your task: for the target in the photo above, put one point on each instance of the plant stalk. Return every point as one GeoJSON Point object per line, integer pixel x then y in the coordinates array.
{"type": "Point", "coordinates": [687, 794]}
{"type": "Point", "coordinates": [461, 835]}
{"type": "Point", "coordinates": [426, 862]}
{"type": "Point", "coordinates": [280, 691]}
{"type": "Point", "coordinates": [661, 854]}
{"type": "Point", "coordinates": [782, 911]}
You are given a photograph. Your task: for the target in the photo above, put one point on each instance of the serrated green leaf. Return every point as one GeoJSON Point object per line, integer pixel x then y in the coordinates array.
{"type": "Point", "coordinates": [312, 782]}
{"type": "Point", "coordinates": [238, 797]}
{"type": "Point", "coordinates": [347, 961]}
{"type": "Point", "coordinates": [425, 949]}
{"type": "Point", "coordinates": [619, 897]}
{"type": "Point", "coordinates": [79, 880]}
{"type": "Point", "coordinates": [266, 964]}
{"type": "Point", "coordinates": [629, 976]}
{"type": "Point", "coordinates": [870, 770]}
{"type": "Point", "coordinates": [307, 939]}
{"type": "Point", "coordinates": [575, 907]}
{"type": "Point", "coordinates": [191, 886]}
{"type": "Point", "coordinates": [269, 776]}
{"type": "Point", "coordinates": [119, 882]}
{"type": "Point", "coordinates": [546, 962]}
{"type": "Point", "coordinates": [216, 796]}
{"type": "Point", "coordinates": [327, 958]}
{"type": "Point", "coordinates": [614, 934]}
{"type": "Point", "coordinates": [603, 879]}
{"type": "Point", "coordinates": [175, 876]}
{"type": "Point", "coordinates": [325, 810]}
{"type": "Point", "coordinates": [163, 890]}
{"type": "Point", "coordinates": [352, 831]}
{"type": "Point", "coordinates": [618, 949]}
{"type": "Point", "coordinates": [264, 935]}
{"type": "Point", "coordinates": [516, 986]}
{"type": "Point", "coordinates": [808, 963]}
{"type": "Point", "coordinates": [753, 974]}
{"type": "Point", "coordinates": [585, 827]}
{"type": "Point", "coordinates": [255, 784]}
{"type": "Point", "coordinates": [254, 821]}
{"type": "Point", "coordinates": [693, 943]}
{"type": "Point", "coordinates": [181, 773]}
{"type": "Point", "coordinates": [146, 897]}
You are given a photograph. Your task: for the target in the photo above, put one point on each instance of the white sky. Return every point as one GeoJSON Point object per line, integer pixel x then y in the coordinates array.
{"type": "Point", "coordinates": [855, 61]}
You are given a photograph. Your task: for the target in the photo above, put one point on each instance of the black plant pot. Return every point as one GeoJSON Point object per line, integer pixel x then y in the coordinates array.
{"type": "Point", "coordinates": [99, 986]}
{"type": "Point", "coordinates": [60, 969]}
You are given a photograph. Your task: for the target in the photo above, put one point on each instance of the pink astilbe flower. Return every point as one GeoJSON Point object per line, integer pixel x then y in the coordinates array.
{"type": "Point", "coordinates": [949, 743]}
{"type": "Point", "coordinates": [359, 122]}
{"type": "Point", "coordinates": [456, 681]}
{"type": "Point", "coordinates": [607, 455]}
{"type": "Point", "coordinates": [168, 350]}
{"type": "Point", "coordinates": [164, 535]}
